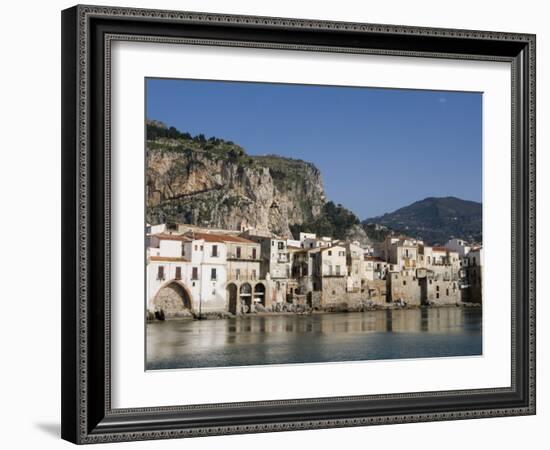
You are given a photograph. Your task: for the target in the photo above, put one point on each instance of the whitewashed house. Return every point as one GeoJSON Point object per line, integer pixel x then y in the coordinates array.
{"type": "Point", "coordinates": [458, 245]}
{"type": "Point", "coordinates": [186, 274]}
{"type": "Point", "coordinates": [167, 272]}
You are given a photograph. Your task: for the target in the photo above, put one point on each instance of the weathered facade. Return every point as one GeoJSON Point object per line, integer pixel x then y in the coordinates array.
{"type": "Point", "coordinates": [193, 271]}
{"type": "Point", "coordinates": [472, 271]}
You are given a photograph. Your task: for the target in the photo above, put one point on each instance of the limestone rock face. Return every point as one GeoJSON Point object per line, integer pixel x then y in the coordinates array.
{"type": "Point", "coordinates": [201, 188]}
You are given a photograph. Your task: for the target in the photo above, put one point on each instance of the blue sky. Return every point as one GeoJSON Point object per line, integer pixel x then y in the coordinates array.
{"type": "Point", "coordinates": [377, 149]}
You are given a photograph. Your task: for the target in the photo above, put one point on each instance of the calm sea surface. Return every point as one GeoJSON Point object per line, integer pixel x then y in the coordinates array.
{"type": "Point", "coordinates": [253, 340]}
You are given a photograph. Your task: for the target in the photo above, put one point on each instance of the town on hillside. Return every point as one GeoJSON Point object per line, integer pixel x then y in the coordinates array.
{"type": "Point", "coordinates": [201, 272]}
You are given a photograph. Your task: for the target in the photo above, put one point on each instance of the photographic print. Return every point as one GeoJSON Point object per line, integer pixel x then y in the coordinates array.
{"type": "Point", "coordinates": [289, 223]}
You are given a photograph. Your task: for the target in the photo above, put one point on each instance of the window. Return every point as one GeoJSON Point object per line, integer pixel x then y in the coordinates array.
{"type": "Point", "coordinates": [447, 292]}
{"type": "Point", "coordinates": [273, 243]}
{"type": "Point", "coordinates": [337, 270]}
{"type": "Point", "coordinates": [330, 270]}
{"type": "Point", "coordinates": [238, 252]}
{"type": "Point", "coordinates": [238, 274]}
{"type": "Point", "coordinates": [195, 273]}
{"type": "Point", "coordinates": [437, 295]}
{"type": "Point", "coordinates": [330, 253]}
{"type": "Point", "coordinates": [281, 245]}
{"type": "Point", "coordinates": [253, 274]}
{"type": "Point", "coordinates": [183, 250]}
{"type": "Point", "coordinates": [213, 274]}
{"type": "Point", "coordinates": [341, 253]}
{"type": "Point", "coordinates": [437, 289]}
{"type": "Point", "coordinates": [254, 253]}
{"type": "Point", "coordinates": [214, 250]}
{"type": "Point", "coordinates": [178, 273]}
{"type": "Point", "coordinates": [404, 282]}
{"type": "Point", "coordinates": [196, 247]}
{"type": "Point", "coordinates": [160, 273]}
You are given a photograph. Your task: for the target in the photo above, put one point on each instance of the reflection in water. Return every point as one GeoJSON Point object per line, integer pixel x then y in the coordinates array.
{"type": "Point", "coordinates": [258, 340]}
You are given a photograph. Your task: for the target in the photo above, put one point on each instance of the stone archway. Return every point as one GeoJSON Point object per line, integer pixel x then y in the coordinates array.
{"type": "Point", "coordinates": [232, 297]}
{"type": "Point", "coordinates": [259, 293]}
{"type": "Point", "coordinates": [246, 295]}
{"type": "Point", "coordinates": [174, 300]}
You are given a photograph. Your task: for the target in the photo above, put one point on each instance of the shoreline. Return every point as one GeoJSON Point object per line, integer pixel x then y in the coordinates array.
{"type": "Point", "coordinates": [388, 307]}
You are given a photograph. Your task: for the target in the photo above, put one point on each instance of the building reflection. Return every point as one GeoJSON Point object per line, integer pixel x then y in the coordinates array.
{"type": "Point", "coordinates": [298, 338]}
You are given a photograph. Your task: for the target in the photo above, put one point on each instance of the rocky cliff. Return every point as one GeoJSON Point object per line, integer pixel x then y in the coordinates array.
{"type": "Point", "coordinates": [214, 183]}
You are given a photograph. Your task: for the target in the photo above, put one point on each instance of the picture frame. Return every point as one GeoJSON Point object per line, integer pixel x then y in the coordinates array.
{"type": "Point", "coordinates": [87, 413]}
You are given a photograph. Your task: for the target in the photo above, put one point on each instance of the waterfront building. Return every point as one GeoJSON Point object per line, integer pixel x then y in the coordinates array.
{"type": "Point", "coordinates": [355, 266]}
{"type": "Point", "coordinates": [472, 270]}
{"type": "Point", "coordinates": [274, 265]}
{"type": "Point", "coordinates": [167, 268]}
{"type": "Point", "coordinates": [245, 289]}
{"type": "Point", "coordinates": [193, 271]}
{"type": "Point", "coordinates": [329, 274]}
{"type": "Point", "coordinates": [185, 275]}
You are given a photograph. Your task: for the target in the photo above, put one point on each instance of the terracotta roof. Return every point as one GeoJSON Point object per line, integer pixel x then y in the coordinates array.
{"type": "Point", "coordinates": [168, 258]}
{"type": "Point", "coordinates": [439, 249]}
{"type": "Point", "coordinates": [214, 237]}
{"type": "Point", "coordinates": [171, 237]}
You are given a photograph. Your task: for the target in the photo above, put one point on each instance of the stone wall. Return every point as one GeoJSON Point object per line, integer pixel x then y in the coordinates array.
{"type": "Point", "coordinates": [375, 291]}
{"type": "Point", "coordinates": [333, 290]}
{"type": "Point", "coordinates": [403, 287]}
{"type": "Point", "coordinates": [442, 292]}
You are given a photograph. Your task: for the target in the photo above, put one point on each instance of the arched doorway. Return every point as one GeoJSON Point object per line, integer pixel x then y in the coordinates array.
{"type": "Point", "coordinates": [174, 300]}
{"type": "Point", "coordinates": [232, 298]}
{"type": "Point", "coordinates": [259, 293]}
{"type": "Point", "coordinates": [246, 295]}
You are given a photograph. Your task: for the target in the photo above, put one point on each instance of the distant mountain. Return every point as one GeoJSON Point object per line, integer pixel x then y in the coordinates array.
{"type": "Point", "coordinates": [434, 219]}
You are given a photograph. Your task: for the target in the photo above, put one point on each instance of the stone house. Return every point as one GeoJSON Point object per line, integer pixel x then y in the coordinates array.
{"type": "Point", "coordinates": [472, 271]}
{"type": "Point", "coordinates": [329, 273]}
{"type": "Point", "coordinates": [355, 267]}
{"type": "Point", "coordinates": [438, 289]}
{"type": "Point", "coordinates": [374, 268]}
{"type": "Point", "coordinates": [404, 286]}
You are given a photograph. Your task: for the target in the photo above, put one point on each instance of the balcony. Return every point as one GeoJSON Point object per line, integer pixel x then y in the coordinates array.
{"type": "Point", "coordinates": [241, 257]}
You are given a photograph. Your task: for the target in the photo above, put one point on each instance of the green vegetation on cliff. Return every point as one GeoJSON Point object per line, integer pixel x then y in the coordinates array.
{"type": "Point", "coordinates": [210, 181]}
{"type": "Point", "coordinates": [334, 221]}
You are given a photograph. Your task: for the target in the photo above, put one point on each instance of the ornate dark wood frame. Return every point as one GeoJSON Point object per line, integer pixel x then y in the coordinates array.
{"type": "Point", "coordinates": [87, 33]}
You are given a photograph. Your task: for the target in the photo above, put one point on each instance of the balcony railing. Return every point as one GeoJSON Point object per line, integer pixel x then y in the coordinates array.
{"type": "Point", "coordinates": [234, 256]}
